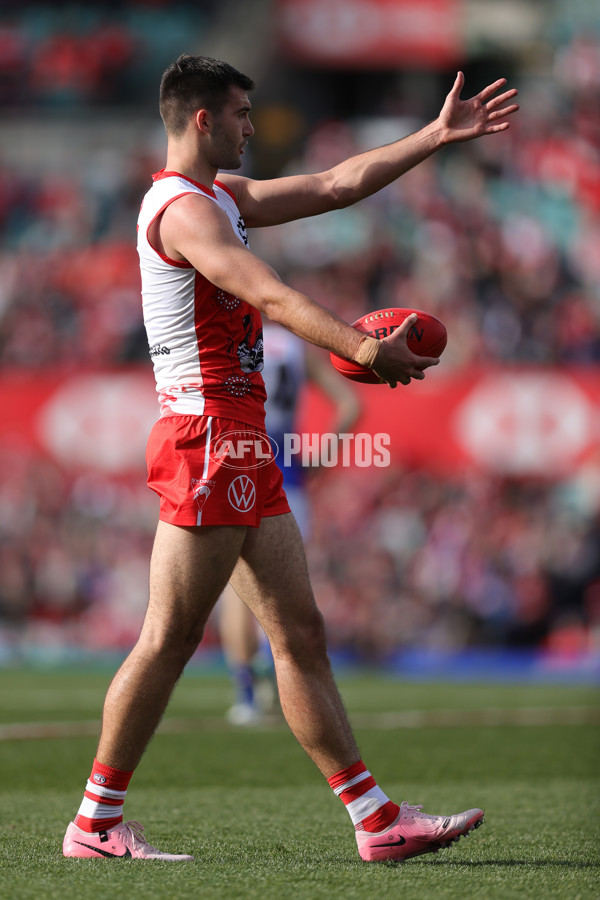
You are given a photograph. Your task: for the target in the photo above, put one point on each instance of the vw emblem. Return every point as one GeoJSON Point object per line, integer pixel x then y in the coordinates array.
{"type": "Point", "coordinates": [242, 493]}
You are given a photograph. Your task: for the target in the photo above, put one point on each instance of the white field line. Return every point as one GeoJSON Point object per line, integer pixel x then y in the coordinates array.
{"type": "Point", "coordinates": [387, 721]}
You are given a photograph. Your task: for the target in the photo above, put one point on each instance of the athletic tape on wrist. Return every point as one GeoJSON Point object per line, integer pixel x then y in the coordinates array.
{"type": "Point", "coordinates": [366, 352]}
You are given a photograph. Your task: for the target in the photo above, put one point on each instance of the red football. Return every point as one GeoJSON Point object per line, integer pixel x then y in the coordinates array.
{"type": "Point", "coordinates": [427, 337]}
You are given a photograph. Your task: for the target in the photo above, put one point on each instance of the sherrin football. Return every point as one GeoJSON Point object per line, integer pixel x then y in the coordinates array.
{"type": "Point", "coordinates": [427, 337]}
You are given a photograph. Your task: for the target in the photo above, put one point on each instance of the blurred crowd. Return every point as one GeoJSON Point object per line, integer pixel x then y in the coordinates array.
{"type": "Point", "coordinates": [398, 559]}
{"type": "Point", "coordinates": [74, 558]}
{"type": "Point", "coordinates": [69, 272]}
{"type": "Point", "coordinates": [102, 53]}
{"type": "Point", "coordinates": [498, 238]}
{"type": "Point", "coordinates": [445, 564]}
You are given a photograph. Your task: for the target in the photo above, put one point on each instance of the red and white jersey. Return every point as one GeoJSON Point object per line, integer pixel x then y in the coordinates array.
{"type": "Point", "coordinates": [206, 345]}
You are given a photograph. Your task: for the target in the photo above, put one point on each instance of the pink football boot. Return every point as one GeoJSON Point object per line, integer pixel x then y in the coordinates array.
{"type": "Point", "coordinates": [124, 841]}
{"type": "Point", "coordinates": [414, 833]}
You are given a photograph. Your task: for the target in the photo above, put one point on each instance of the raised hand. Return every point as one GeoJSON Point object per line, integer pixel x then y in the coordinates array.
{"type": "Point", "coordinates": [463, 120]}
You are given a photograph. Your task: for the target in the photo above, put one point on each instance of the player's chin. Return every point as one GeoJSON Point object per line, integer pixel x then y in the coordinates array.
{"type": "Point", "coordinates": [231, 164]}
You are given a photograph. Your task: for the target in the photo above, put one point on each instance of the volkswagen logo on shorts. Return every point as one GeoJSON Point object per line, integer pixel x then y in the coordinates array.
{"type": "Point", "coordinates": [244, 449]}
{"type": "Point", "coordinates": [242, 493]}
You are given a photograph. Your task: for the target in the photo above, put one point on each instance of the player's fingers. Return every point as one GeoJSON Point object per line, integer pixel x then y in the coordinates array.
{"type": "Point", "coordinates": [495, 102]}
{"type": "Point", "coordinates": [423, 362]}
{"type": "Point", "coordinates": [500, 113]}
{"type": "Point", "coordinates": [491, 89]}
{"type": "Point", "coordinates": [393, 382]}
{"type": "Point", "coordinates": [458, 84]}
{"type": "Point", "coordinates": [388, 381]}
{"type": "Point", "coordinates": [403, 328]}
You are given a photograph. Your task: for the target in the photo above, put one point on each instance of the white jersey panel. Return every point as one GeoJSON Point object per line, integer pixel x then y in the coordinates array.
{"type": "Point", "coordinates": [170, 296]}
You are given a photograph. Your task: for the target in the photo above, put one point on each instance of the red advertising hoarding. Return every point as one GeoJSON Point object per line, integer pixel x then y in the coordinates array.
{"type": "Point", "coordinates": [517, 421]}
{"type": "Point", "coordinates": [521, 421]}
{"type": "Point", "coordinates": [371, 33]}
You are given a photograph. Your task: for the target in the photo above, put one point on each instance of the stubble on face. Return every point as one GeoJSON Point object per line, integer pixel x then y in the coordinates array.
{"type": "Point", "coordinates": [230, 132]}
{"type": "Point", "coordinates": [225, 149]}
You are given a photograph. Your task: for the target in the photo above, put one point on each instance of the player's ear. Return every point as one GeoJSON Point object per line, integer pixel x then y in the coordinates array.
{"type": "Point", "coordinates": [204, 120]}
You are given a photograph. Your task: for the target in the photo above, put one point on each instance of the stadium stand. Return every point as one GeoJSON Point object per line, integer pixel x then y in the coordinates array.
{"type": "Point", "coordinates": [498, 241]}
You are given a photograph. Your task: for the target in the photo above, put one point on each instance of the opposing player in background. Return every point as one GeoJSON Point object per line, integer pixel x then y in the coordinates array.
{"type": "Point", "coordinates": [203, 294]}
{"type": "Point", "coordinates": [289, 364]}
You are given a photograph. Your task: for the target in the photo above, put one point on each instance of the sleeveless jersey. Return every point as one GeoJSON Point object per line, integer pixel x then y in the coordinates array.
{"type": "Point", "coordinates": [206, 345]}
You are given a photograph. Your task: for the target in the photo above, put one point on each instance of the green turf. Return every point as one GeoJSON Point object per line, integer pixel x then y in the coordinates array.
{"type": "Point", "coordinates": [261, 821]}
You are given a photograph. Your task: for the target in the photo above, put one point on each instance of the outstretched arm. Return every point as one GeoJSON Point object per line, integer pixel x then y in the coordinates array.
{"type": "Point", "coordinates": [194, 229]}
{"type": "Point", "coordinates": [280, 200]}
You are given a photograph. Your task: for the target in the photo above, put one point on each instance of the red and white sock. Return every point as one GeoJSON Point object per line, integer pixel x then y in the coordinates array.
{"type": "Point", "coordinates": [102, 804]}
{"type": "Point", "coordinates": [369, 808]}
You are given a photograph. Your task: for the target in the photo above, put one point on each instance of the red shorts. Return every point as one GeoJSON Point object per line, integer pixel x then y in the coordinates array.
{"type": "Point", "coordinates": [213, 471]}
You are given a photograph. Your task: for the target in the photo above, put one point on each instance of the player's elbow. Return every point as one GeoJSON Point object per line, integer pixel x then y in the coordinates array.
{"type": "Point", "coordinates": [274, 308]}
{"type": "Point", "coordinates": [280, 304]}
{"type": "Point", "coordinates": [344, 197]}
{"type": "Point", "coordinates": [339, 192]}
{"type": "Point", "coordinates": [329, 192]}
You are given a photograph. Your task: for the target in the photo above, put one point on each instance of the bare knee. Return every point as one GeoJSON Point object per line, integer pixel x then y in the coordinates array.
{"type": "Point", "coordinates": [169, 643]}
{"type": "Point", "coordinates": [303, 640]}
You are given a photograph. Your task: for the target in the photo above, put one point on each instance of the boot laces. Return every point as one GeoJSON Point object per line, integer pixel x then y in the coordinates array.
{"type": "Point", "coordinates": [415, 811]}
{"type": "Point", "coordinates": [136, 829]}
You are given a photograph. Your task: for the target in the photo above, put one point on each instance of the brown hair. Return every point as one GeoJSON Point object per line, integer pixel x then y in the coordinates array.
{"type": "Point", "coordinates": [196, 82]}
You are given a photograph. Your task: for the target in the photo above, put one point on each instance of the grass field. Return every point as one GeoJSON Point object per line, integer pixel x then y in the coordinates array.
{"type": "Point", "coordinates": [261, 821]}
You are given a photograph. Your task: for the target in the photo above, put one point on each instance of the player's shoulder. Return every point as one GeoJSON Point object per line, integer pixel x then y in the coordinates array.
{"type": "Point", "coordinates": [236, 186]}
{"type": "Point", "coordinates": [188, 201]}
{"type": "Point", "coordinates": [191, 214]}
{"type": "Point", "coordinates": [173, 191]}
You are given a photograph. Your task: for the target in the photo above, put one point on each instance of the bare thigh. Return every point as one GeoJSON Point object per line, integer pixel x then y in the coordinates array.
{"type": "Point", "coordinates": [190, 566]}
{"type": "Point", "coordinates": [271, 576]}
